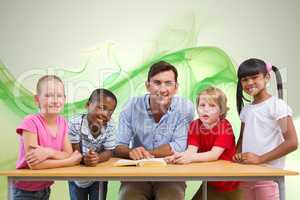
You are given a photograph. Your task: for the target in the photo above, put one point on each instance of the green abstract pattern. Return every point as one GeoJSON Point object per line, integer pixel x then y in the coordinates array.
{"type": "Point", "coordinates": [197, 67]}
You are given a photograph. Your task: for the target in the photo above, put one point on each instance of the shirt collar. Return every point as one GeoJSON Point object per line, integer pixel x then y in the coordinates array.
{"type": "Point", "coordinates": [85, 127]}
{"type": "Point", "coordinates": [147, 104]}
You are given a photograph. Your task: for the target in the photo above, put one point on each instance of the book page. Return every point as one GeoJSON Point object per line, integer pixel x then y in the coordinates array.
{"type": "Point", "coordinates": [152, 162]}
{"type": "Point", "coordinates": [125, 162]}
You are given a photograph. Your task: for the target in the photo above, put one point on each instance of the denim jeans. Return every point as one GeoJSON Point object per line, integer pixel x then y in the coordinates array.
{"type": "Point", "coordinates": [91, 192]}
{"type": "Point", "coordinates": [19, 194]}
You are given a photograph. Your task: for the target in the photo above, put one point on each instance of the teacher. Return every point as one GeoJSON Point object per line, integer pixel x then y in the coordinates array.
{"type": "Point", "coordinates": [154, 125]}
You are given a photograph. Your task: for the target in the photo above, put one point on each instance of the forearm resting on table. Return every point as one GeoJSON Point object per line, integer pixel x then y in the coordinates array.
{"type": "Point", "coordinates": [122, 151]}
{"type": "Point", "coordinates": [162, 151]}
{"type": "Point", "coordinates": [50, 163]}
{"type": "Point", "coordinates": [211, 155]}
{"type": "Point", "coordinates": [105, 155]}
{"type": "Point", "coordinates": [33, 149]}
{"type": "Point", "coordinates": [59, 155]}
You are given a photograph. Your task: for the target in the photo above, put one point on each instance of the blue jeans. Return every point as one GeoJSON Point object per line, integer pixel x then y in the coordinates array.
{"type": "Point", "coordinates": [91, 192]}
{"type": "Point", "coordinates": [19, 194]}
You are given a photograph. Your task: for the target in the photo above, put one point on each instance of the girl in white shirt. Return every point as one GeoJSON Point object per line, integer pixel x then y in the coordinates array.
{"type": "Point", "coordinates": [267, 129]}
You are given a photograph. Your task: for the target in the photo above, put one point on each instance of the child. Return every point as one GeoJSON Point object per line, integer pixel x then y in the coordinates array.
{"type": "Point", "coordinates": [43, 139]}
{"type": "Point", "coordinates": [267, 130]}
{"type": "Point", "coordinates": [212, 136]}
{"type": "Point", "coordinates": [93, 134]}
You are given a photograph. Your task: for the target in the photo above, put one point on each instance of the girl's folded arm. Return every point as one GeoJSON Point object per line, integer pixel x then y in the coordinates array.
{"type": "Point", "coordinates": [34, 154]}
{"type": "Point", "coordinates": [40, 157]}
{"type": "Point", "coordinates": [74, 159]}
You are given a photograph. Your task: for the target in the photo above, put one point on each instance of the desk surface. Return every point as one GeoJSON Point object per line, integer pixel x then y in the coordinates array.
{"type": "Point", "coordinates": [217, 169]}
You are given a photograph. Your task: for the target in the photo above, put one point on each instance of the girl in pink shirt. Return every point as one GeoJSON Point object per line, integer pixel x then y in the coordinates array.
{"type": "Point", "coordinates": [43, 139]}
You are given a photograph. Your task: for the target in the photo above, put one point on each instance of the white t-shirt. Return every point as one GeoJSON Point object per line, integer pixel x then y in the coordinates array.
{"type": "Point", "coordinates": [262, 132]}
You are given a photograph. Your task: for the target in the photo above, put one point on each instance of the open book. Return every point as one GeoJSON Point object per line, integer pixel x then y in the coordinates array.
{"type": "Point", "coordinates": [150, 162]}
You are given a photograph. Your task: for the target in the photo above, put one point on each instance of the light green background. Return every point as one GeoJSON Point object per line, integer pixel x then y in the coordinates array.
{"type": "Point", "coordinates": [47, 35]}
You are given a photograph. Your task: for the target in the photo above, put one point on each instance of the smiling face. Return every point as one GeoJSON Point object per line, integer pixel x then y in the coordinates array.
{"type": "Point", "coordinates": [99, 112]}
{"type": "Point", "coordinates": [208, 110]}
{"type": "Point", "coordinates": [51, 96]}
{"type": "Point", "coordinates": [162, 87]}
{"type": "Point", "coordinates": [254, 84]}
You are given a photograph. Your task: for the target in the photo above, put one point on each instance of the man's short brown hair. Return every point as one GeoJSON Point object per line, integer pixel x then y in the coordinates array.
{"type": "Point", "coordinates": [161, 66]}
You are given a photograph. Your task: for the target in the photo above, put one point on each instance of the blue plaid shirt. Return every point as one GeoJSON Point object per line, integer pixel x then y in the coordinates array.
{"type": "Point", "coordinates": [137, 126]}
{"type": "Point", "coordinates": [79, 131]}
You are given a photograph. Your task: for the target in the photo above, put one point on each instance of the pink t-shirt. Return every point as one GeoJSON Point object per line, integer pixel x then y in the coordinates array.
{"type": "Point", "coordinates": [38, 125]}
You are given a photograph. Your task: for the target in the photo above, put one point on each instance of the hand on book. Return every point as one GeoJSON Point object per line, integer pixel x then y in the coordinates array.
{"type": "Point", "coordinates": [139, 153]}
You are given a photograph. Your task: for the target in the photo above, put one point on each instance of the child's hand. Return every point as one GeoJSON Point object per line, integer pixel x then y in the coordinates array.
{"type": "Point", "coordinates": [170, 159]}
{"type": "Point", "coordinates": [247, 158]}
{"type": "Point", "coordinates": [91, 159]}
{"type": "Point", "coordinates": [75, 157]}
{"type": "Point", "coordinates": [237, 158]}
{"type": "Point", "coordinates": [184, 157]}
{"type": "Point", "coordinates": [251, 158]}
{"type": "Point", "coordinates": [37, 154]}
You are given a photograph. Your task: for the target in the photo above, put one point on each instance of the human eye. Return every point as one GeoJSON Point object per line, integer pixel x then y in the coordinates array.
{"type": "Point", "coordinates": [156, 83]}
{"type": "Point", "coordinates": [201, 105]}
{"type": "Point", "coordinates": [212, 105]}
{"type": "Point", "coordinates": [110, 112]}
{"type": "Point", "coordinates": [255, 76]}
{"type": "Point", "coordinates": [169, 83]}
{"type": "Point", "coordinates": [99, 107]}
{"type": "Point", "coordinates": [103, 108]}
{"type": "Point", "coordinates": [244, 79]}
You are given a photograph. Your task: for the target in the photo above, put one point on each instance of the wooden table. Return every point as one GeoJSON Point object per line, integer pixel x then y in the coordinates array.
{"type": "Point", "coordinates": [208, 171]}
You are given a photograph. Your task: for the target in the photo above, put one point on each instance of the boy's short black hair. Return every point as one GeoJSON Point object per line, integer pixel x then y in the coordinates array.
{"type": "Point", "coordinates": [162, 66]}
{"type": "Point", "coordinates": [97, 93]}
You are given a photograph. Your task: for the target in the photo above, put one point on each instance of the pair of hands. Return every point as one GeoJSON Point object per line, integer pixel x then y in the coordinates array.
{"type": "Point", "coordinates": [91, 159]}
{"type": "Point", "coordinates": [247, 158]}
